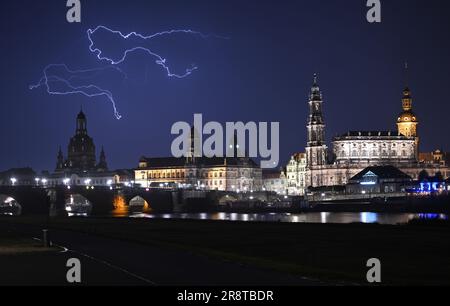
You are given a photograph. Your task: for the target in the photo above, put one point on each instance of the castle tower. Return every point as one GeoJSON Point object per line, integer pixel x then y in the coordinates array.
{"type": "Point", "coordinates": [407, 121]}
{"type": "Point", "coordinates": [316, 148]}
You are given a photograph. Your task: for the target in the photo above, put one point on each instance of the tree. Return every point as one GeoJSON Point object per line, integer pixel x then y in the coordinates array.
{"type": "Point", "coordinates": [438, 177]}
{"type": "Point", "coordinates": [423, 176]}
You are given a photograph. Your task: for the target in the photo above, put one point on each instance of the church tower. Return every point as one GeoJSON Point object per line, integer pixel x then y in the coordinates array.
{"type": "Point", "coordinates": [60, 160]}
{"type": "Point", "coordinates": [316, 148]}
{"type": "Point", "coordinates": [102, 164]}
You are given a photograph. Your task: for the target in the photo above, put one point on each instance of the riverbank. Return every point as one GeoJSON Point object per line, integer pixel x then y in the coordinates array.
{"type": "Point", "coordinates": [413, 254]}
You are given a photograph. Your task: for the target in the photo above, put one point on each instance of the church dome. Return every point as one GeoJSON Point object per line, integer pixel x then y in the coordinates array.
{"type": "Point", "coordinates": [407, 116]}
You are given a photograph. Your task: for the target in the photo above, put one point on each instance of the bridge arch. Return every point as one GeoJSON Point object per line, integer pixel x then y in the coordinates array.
{"type": "Point", "coordinates": [227, 198]}
{"type": "Point", "coordinates": [77, 205]}
{"type": "Point", "coordinates": [139, 204]}
{"type": "Point", "coordinates": [9, 206]}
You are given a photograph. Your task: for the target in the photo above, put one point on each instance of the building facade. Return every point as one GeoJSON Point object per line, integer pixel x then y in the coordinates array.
{"type": "Point", "coordinates": [274, 180]}
{"type": "Point", "coordinates": [296, 174]}
{"type": "Point", "coordinates": [239, 174]}
{"type": "Point", "coordinates": [217, 173]}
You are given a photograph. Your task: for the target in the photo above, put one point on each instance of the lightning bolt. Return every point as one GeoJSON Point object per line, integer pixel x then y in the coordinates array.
{"type": "Point", "coordinates": [89, 90]}
{"type": "Point", "coordinates": [92, 90]}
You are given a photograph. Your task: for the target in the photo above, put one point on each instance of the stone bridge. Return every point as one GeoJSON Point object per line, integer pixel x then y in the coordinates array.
{"type": "Point", "coordinates": [95, 200]}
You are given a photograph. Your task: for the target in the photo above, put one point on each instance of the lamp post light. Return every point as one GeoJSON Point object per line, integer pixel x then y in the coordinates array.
{"type": "Point", "coordinates": [37, 181]}
{"type": "Point", "coordinates": [44, 181]}
{"type": "Point", "coordinates": [13, 181]}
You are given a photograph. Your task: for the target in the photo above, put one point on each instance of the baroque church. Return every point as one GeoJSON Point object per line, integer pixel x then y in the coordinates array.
{"type": "Point", "coordinates": [81, 166]}
{"type": "Point", "coordinates": [81, 152]}
{"type": "Point", "coordinates": [354, 151]}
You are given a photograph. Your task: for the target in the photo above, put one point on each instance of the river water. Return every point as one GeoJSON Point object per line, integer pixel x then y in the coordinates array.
{"type": "Point", "coordinates": [311, 217]}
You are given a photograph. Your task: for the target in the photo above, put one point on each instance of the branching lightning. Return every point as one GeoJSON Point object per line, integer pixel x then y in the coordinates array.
{"type": "Point", "coordinates": [91, 90]}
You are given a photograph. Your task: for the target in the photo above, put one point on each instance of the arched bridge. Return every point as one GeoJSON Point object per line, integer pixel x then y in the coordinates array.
{"type": "Point", "coordinates": [22, 200]}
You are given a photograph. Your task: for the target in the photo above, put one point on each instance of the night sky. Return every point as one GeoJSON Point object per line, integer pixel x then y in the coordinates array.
{"type": "Point", "coordinates": [262, 73]}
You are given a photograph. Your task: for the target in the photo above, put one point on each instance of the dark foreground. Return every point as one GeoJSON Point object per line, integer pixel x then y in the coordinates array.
{"type": "Point", "coordinates": [122, 251]}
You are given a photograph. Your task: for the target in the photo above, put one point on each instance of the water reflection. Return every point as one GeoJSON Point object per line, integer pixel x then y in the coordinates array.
{"type": "Point", "coordinates": [313, 217]}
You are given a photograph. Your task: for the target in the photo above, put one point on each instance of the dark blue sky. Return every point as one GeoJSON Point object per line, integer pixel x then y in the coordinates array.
{"type": "Point", "coordinates": [262, 73]}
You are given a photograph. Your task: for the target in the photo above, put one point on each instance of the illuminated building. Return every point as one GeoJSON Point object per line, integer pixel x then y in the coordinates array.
{"type": "Point", "coordinates": [217, 173]}
{"type": "Point", "coordinates": [379, 179]}
{"type": "Point", "coordinates": [296, 174]}
{"type": "Point", "coordinates": [274, 180]}
{"type": "Point", "coordinates": [18, 177]}
{"type": "Point", "coordinates": [240, 174]}
{"type": "Point", "coordinates": [356, 150]}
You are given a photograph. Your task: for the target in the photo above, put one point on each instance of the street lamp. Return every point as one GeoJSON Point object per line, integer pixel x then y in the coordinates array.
{"type": "Point", "coordinates": [44, 181]}
{"type": "Point", "coordinates": [87, 181]}
{"type": "Point", "coordinates": [13, 180]}
{"type": "Point", "coordinates": [66, 181]}
{"type": "Point", "coordinates": [37, 181]}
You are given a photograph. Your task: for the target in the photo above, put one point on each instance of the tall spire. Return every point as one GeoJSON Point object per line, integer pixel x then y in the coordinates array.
{"type": "Point", "coordinates": [60, 159]}
{"type": "Point", "coordinates": [316, 147]}
{"type": "Point", "coordinates": [315, 95]}
{"type": "Point", "coordinates": [102, 164]}
{"type": "Point", "coordinates": [406, 75]}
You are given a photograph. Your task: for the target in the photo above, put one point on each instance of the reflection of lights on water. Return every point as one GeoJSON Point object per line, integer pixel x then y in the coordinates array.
{"type": "Point", "coordinates": [431, 216]}
{"type": "Point", "coordinates": [367, 217]}
{"type": "Point", "coordinates": [325, 217]}
{"type": "Point", "coordinates": [77, 214]}
{"type": "Point", "coordinates": [221, 216]}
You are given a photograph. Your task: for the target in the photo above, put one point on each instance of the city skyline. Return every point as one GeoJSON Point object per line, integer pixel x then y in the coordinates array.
{"type": "Point", "coordinates": [224, 150]}
{"type": "Point", "coordinates": [230, 85]}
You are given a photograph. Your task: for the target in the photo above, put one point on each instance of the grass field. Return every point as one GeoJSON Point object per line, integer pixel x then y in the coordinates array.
{"type": "Point", "coordinates": [413, 254]}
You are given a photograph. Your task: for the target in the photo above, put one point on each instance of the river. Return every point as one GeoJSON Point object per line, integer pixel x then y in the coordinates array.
{"type": "Point", "coordinates": [310, 217]}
